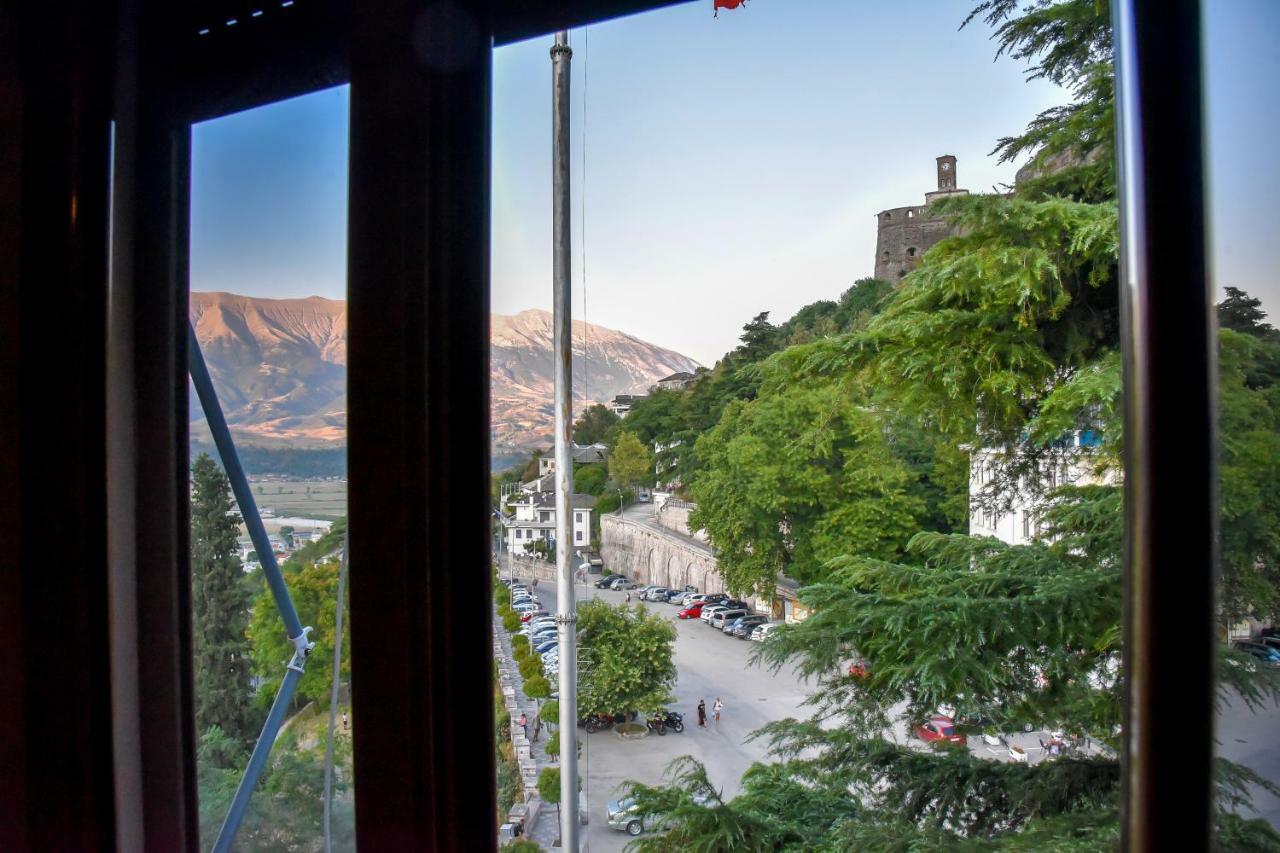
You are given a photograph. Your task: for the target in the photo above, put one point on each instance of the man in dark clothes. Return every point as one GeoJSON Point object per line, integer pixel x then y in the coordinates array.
{"type": "Point", "coordinates": [702, 713]}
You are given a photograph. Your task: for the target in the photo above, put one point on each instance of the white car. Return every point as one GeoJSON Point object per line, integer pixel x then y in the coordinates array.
{"type": "Point", "coordinates": [708, 612]}
{"type": "Point", "coordinates": [761, 632]}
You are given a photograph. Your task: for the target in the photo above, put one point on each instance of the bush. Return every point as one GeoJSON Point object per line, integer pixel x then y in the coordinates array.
{"type": "Point", "coordinates": [511, 622]}
{"type": "Point", "coordinates": [521, 845]}
{"type": "Point", "coordinates": [550, 713]}
{"type": "Point", "coordinates": [553, 745]}
{"type": "Point", "coordinates": [530, 667]}
{"type": "Point", "coordinates": [537, 688]}
{"type": "Point", "coordinates": [520, 645]}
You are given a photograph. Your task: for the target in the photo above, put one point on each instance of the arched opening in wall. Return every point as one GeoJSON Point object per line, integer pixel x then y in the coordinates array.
{"type": "Point", "coordinates": [689, 575]}
{"type": "Point", "coordinates": [654, 560]}
{"type": "Point", "coordinates": [911, 251]}
{"type": "Point", "coordinates": [911, 214]}
{"type": "Point", "coordinates": [674, 580]}
{"type": "Point", "coordinates": [888, 216]}
{"type": "Point", "coordinates": [642, 567]}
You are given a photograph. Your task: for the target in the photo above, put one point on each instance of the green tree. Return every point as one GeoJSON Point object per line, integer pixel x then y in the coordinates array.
{"type": "Point", "coordinates": [549, 787]}
{"type": "Point", "coordinates": [220, 607]}
{"type": "Point", "coordinates": [795, 478]}
{"type": "Point", "coordinates": [595, 425]}
{"type": "Point", "coordinates": [630, 659]}
{"type": "Point", "coordinates": [312, 577]}
{"type": "Point", "coordinates": [630, 463]}
{"type": "Point", "coordinates": [590, 479]}
{"type": "Point", "coordinates": [537, 687]}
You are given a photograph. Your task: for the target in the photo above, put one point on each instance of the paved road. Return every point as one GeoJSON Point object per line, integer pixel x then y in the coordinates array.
{"type": "Point", "coordinates": [709, 665]}
{"type": "Point", "coordinates": [1253, 739]}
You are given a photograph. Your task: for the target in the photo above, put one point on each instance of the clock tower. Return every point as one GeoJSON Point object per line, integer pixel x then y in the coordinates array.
{"type": "Point", "coordinates": [946, 173]}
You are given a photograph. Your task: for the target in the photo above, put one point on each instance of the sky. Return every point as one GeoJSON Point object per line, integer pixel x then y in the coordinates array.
{"type": "Point", "coordinates": [732, 165]}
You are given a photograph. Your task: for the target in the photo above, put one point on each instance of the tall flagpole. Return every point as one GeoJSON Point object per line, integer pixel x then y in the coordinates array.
{"type": "Point", "coordinates": [566, 615]}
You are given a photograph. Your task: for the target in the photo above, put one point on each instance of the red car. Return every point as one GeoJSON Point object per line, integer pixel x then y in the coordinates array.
{"type": "Point", "coordinates": [525, 617]}
{"type": "Point", "coordinates": [693, 611]}
{"type": "Point", "coordinates": [940, 730]}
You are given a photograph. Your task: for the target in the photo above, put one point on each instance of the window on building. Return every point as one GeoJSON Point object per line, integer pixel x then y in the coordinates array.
{"type": "Point", "coordinates": [577, 536]}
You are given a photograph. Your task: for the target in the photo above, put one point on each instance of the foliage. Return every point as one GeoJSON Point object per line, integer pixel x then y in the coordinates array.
{"type": "Point", "coordinates": [590, 479]}
{"type": "Point", "coordinates": [553, 745]}
{"type": "Point", "coordinates": [795, 478]}
{"type": "Point", "coordinates": [626, 659]}
{"type": "Point", "coordinates": [511, 622]}
{"type": "Point", "coordinates": [312, 578]}
{"type": "Point", "coordinates": [537, 687]}
{"type": "Point", "coordinates": [549, 786]}
{"type": "Point", "coordinates": [287, 808]}
{"type": "Point", "coordinates": [550, 712]}
{"type": "Point", "coordinates": [220, 607]}
{"type": "Point", "coordinates": [595, 426]}
{"type": "Point", "coordinates": [630, 464]}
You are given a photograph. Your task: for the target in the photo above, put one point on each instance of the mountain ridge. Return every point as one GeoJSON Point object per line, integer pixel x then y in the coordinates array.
{"type": "Point", "coordinates": [279, 367]}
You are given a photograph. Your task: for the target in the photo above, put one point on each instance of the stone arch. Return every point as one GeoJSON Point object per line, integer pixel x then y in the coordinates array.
{"type": "Point", "coordinates": [655, 559]}
{"type": "Point", "coordinates": [672, 578]}
{"type": "Point", "coordinates": [690, 573]}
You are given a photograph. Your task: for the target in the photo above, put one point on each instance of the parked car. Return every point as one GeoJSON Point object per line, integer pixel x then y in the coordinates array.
{"type": "Point", "coordinates": [735, 603]}
{"type": "Point", "coordinates": [624, 817]}
{"type": "Point", "coordinates": [527, 607]}
{"type": "Point", "coordinates": [693, 611]}
{"type": "Point", "coordinates": [722, 618]}
{"type": "Point", "coordinates": [675, 596]}
{"type": "Point", "coordinates": [632, 585]}
{"type": "Point", "coordinates": [708, 612]}
{"type": "Point", "coordinates": [743, 626]}
{"type": "Point", "coordinates": [762, 632]}
{"type": "Point", "coordinates": [657, 593]}
{"type": "Point", "coordinates": [530, 615]}
{"type": "Point", "coordinates": [1267, 655]}
{"type": "Point", "coordinates": [608, 580]}
{"type": "Point", "coordinates": [941, 730]}
{"type": "Point", "coordinates": [546, 646]}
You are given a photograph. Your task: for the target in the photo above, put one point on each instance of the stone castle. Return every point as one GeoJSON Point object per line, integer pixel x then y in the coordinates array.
{"type": "Point", "coordinates": [903, 234]}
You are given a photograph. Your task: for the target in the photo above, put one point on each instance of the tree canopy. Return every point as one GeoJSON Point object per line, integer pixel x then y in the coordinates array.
{"type": "Point", "coordinates": [630, 463]}
{"type": "Point", "coordinates": [220, 607]}
{"type": "Point", "coordinates": [625, 659]}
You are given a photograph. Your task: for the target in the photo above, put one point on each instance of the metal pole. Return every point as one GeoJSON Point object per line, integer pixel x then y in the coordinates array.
{"type": "Point", "coordinates": [297, 634]}
{"type": "Point", "coordinates": [566, 616]}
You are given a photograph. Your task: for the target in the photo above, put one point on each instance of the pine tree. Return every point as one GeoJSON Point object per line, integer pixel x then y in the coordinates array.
{"type": "Point", "coordinates": [220, 604]}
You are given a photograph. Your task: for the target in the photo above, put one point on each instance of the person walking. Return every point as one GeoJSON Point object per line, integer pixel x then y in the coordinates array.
{"type": "Point", "coordinates": [716, 708]}
{"type": "Point", "coordinates": [628, 598]}
{"type": "Point", "coordinates": [702, 713]}
{"type": "Point", "coordinates": [524, 723]}
{"type": "Point", "coordinates": [537, 726]}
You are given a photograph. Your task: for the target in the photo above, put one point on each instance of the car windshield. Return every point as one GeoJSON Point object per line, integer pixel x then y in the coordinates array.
{"type": "Point", "coordinates": [947, 731]}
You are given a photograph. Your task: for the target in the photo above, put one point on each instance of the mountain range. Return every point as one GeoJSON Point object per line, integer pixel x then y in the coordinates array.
{"type": "Point", "coordinates": [280, 370]}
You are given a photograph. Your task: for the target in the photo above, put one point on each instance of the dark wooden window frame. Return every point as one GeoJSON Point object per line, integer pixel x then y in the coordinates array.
{"type": "Point", "coordinates": [97, 749]}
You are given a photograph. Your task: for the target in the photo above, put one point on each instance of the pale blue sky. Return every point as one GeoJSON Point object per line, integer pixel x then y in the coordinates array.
{"type": "Point", "coordinates": [734, 165]}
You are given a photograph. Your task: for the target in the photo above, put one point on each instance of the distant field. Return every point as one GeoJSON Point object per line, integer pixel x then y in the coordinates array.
{"type": "Point", "coordinates": [323, 499]}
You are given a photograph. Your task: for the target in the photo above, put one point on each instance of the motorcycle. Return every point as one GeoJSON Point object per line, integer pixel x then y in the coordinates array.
{"type": "Point", "coordinates": [597, 723]}
{"type": "Point", "coordinates": [673, 721]}
{"type": "Point", "coordinates": [658, 724]}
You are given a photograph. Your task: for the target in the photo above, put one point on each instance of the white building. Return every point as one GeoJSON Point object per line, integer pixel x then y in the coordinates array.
{"type": "Point", "coordinates": [1023, 522]}
{"type": "Point", "coordinates": [622, 403]}
{"type": "Point", "coordinates": [675, 382]}
{"type": "Point", "coordinates": [534, 519]}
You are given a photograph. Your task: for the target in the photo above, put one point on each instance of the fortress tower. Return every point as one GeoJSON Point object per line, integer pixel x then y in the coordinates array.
{"type": "Point", "coordinates": [903, 234]}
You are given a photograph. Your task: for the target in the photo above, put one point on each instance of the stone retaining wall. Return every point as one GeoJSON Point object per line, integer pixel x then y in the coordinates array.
{"type": "Point", "coordinates": [644, 554]}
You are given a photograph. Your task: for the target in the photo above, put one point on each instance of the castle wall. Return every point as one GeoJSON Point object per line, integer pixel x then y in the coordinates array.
{"type": "Point", "coordinates": [903, 235]}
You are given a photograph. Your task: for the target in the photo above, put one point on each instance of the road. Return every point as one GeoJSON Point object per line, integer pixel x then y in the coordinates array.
{"type": "Point", "coordinates": [709, 665]}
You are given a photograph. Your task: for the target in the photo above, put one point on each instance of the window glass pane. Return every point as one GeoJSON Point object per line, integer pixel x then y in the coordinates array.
{"type": "Point", "coordinates": [268, 278]}
{"type": "Point", "coordinates": [1242, 72]}
{"type": "Point", "coordinates": [859, 344]}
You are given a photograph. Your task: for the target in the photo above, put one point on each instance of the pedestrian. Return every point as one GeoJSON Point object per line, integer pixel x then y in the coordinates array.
{"type": "Point", "coordinates": [628, 598]}
{"type": "Point", "coordinates": [537, 726]}
{"type": "Point", "coordinates": [717, 708]}
{"type": "Point", "coordinates": [702, 713]}
{"type": "Point", "coordinates": [524, 723]}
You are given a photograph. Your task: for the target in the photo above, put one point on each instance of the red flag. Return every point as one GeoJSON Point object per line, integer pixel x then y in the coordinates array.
{"type": "Point", "coordinates": [726, 4]}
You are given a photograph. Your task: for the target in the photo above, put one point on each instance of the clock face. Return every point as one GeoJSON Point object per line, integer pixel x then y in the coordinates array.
{"type": "Point", "coordinates": [946, 167]}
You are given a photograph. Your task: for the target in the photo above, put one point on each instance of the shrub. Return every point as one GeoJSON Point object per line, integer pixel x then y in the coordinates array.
{"type": "Point", "coordinates": [550, 713]}
{"type": "Point", "coordinates": [537, 688]}
{"type": "Point", "coordinates": [530, 667]}
{"type": "Point", "coordinates": [511, 622]}
{"type": "Point", "coordinates": [553, 745]}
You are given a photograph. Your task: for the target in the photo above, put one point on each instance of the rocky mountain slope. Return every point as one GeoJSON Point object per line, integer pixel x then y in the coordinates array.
{"type": "Point", "coordinates": [279, 366]}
